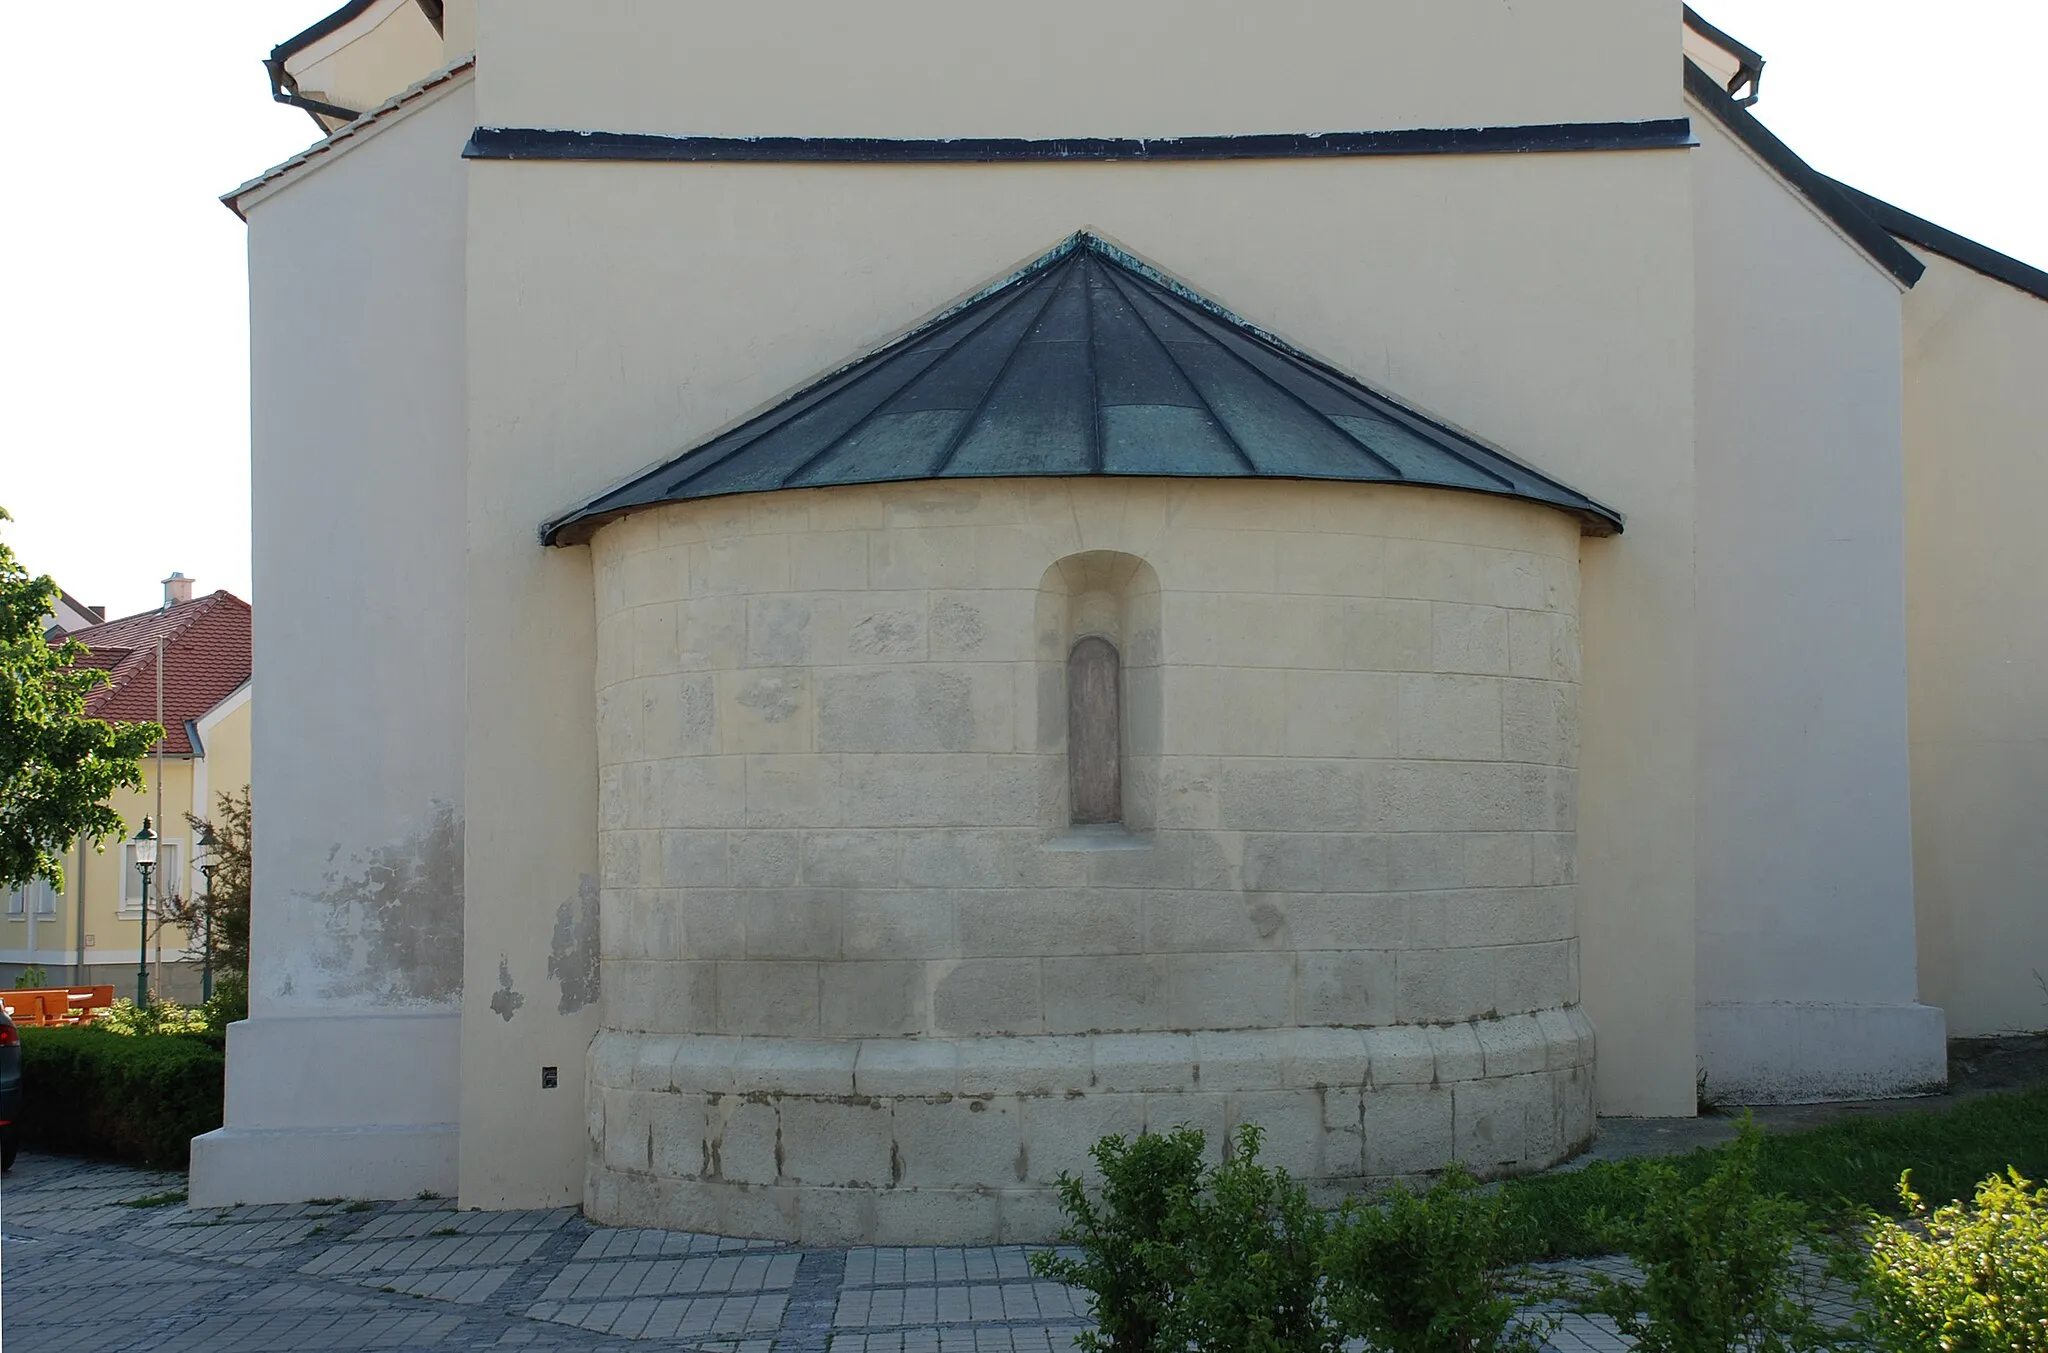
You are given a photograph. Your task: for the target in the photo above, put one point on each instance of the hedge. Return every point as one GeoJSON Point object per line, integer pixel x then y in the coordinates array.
{"type": "Point", "coordinates": [89, 1092]}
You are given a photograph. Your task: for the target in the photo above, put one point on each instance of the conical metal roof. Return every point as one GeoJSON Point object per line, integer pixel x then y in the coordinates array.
{"type": "Point", "coordinates": [1086, 362]}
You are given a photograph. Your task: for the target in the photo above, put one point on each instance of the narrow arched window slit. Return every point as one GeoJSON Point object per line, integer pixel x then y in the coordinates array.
{"type": "Point", "coordinates": [1094, 731]}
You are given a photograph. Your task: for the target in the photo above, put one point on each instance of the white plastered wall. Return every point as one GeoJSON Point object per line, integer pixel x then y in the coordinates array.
{"type": "Point", "coordinates": [1807, 982]}
{"type": "Point", "coordinates": [343, 1080]}
{"type": "Point", "coordinates": [1977, 634]}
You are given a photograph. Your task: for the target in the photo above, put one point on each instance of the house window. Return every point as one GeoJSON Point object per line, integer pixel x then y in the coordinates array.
{"type": "Point", "coordinates": [39, 895]}
{"type": "Point", "coordinates": [163, 880]}
{"type": "Point", "coordinates": [1094, 731]}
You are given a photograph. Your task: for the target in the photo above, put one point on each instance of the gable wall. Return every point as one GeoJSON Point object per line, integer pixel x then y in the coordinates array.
{"type": "Point", "coordinates": [1806, 965]}
{"type": "Point", "coordinates": [920, 68]}
{"type": "Point", "coordinates": [620, 312]}
{"type": "Point", "coordinates": [1976, 599]}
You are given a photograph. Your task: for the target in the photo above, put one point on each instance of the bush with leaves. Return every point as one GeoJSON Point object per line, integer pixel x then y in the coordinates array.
{"type": "Point", "coordinates": [90, 1091]}
{"type": "Point", "coordinates": [1428, 1273]}
{"type": "Point", "coordinates": [1129, 1262]}
{"type": "Point", "coordinates": [1253, 1244]}
{"type": "Point", "coordinates": [127, 1018]}
{"type": "Point", "coordinates": [1962, 1279]}
{"type": "Point", "coordinates": [229, 1002]}
{"type": "Point", "coordinates": [1177, 1258]}
{"type": "Point", "coordinates": [1717, 1262]}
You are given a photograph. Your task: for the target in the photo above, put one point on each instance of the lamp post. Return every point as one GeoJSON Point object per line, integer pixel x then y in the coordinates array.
{"type": "Point", "coordinates": [145, 861]}
{"type": "Point", "coordinates": [206, 868]}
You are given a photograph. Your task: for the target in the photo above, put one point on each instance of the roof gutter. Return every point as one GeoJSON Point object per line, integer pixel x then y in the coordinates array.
{"type": "Point", "coordinates": [285, 88]}
{"type": "Point", "coordinates": [1749, 62]}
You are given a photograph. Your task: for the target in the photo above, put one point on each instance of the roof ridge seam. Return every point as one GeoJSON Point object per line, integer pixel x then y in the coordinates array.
{"type": "Point", "coordinates": [1229, 435]}
{"type": "Point", "coordinates": [967, 425]}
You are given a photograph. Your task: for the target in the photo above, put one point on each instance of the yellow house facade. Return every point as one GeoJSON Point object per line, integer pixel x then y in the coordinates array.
{"type": "Point", "coordinates": [92, 933]}
{"type": "Point", "coordinates": [1504, 479]}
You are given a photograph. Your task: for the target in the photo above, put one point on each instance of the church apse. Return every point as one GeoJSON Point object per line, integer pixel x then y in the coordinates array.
{"type": "Point", "coordinates": [864, 975]}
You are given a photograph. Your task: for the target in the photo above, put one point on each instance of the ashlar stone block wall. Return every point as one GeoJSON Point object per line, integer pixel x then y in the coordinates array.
{"type": "Point", "coordinates": [863, 981]}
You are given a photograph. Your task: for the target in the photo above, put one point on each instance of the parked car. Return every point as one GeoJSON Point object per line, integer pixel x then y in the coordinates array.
{"type": "Point", "coordinates": [10, 1089]}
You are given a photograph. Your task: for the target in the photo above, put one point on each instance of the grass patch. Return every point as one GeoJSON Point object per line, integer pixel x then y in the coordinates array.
{"type": "Point", "coordinates": [360, 1206]}
{"type": "Point", "coordinates": [156, 1199]}
{"type": "Point", "coordinates": [444, 1231]}
{"type": "Point", "coordinates": [1836, 1170]}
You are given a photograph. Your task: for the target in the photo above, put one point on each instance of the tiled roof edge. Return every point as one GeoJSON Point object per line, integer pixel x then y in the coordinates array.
{"type": "Point", "coordinates": [442, 81]}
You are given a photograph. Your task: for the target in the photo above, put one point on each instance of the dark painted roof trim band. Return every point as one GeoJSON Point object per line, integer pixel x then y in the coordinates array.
{"type": "Point", "coordinates": [1941, 240]}
{"type": "Point", "coordinates": [1825, 194]}
{"type": "Point", "coordinates": [533, 143]}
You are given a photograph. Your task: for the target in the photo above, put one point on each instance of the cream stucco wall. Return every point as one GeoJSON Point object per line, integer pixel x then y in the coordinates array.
{"type": "Point", "coordinates": [921, 68]}
{"type": "Point", "coordinates": [1977, 612]}
{"type": "Point", "coordinates": [356, 283]}
{"type": "Point", "coordinates": [1806, 964]}
{"type": "Point", "coordinates": [849, 935]}
{"type": "Point", "coordinates": [1496, 291]}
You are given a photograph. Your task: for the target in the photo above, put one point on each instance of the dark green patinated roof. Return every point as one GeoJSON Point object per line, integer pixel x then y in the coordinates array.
{"type": "Point", "coordinates": [1086, 362]}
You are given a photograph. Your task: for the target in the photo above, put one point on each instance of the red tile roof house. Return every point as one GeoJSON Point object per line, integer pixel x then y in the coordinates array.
{"type": "Point", "coordinates": [206, 660]}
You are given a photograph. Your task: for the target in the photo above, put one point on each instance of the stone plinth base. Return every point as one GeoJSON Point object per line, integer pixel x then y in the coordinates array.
{"type": "Point", "coordinates": [290, 1165]}
{"type": "Point", "coordinates": [1797, 1053]}
{"type": "Point", "coordinates": [961, 1141]}
{"type": "Point", "coordinates": [326, 1106]}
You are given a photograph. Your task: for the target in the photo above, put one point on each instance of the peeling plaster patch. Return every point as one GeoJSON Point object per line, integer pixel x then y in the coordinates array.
{"type": "Point", "coordinates": [573, 959]}
{"type": "Point", "coordinates": [392, 923]}
{"type": "Point", "coordinates": [505, 1001]}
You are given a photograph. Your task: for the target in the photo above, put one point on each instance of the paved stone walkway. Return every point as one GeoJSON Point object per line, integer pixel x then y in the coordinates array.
{"type": "Point", "coordinates": [83, 1268]}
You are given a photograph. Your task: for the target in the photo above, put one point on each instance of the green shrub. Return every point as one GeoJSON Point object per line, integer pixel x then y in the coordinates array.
{"type": "Point", "coordinates": [1178, 1258]}
{"type": "Point", "coordinates": [1716, 1258]}
{"type": "Point", "coordinates": [127, 1018]}
{"type": "Point", "coordinates": [1423, 1274]}
{"type": "Point", "coordinates": [93, 1092]}
{"type": "Point", "coordinates": [1253, 1245]}
{"type": "Point", "coordinates": [1129, 1262]}
{"type": "Point", "coordinates": [229, 1002]}
{"type": "Point", "coordinates": [1961, 1279]}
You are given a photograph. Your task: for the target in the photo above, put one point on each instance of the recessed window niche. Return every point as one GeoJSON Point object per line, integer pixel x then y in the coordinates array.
{"type": "Point", "coordinates": [1099, 687]}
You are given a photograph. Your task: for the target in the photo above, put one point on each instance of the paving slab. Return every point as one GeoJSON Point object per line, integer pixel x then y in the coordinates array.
{"type": "Point", "coordinates": [85, 1268]}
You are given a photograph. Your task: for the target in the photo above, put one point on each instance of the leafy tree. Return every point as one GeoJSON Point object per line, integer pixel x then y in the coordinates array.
{"type": "Point", "coordinates": [58, 766]}
{"type": "Point", "coordinates": [229, 904]}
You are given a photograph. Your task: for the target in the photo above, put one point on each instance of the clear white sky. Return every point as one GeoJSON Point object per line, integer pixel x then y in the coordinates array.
{"type": "Point", "coordinates": [124, 352]}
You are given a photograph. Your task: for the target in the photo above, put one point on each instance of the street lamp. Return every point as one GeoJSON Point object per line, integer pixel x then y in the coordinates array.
{"type": "Point", "coordinates": [206, 868]}
{"type": "Point", "coordinates": [145, 861]}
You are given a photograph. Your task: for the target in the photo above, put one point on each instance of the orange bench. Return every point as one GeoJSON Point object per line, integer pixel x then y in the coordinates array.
{"type": "Point", "coordinates": [40, 1007]}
